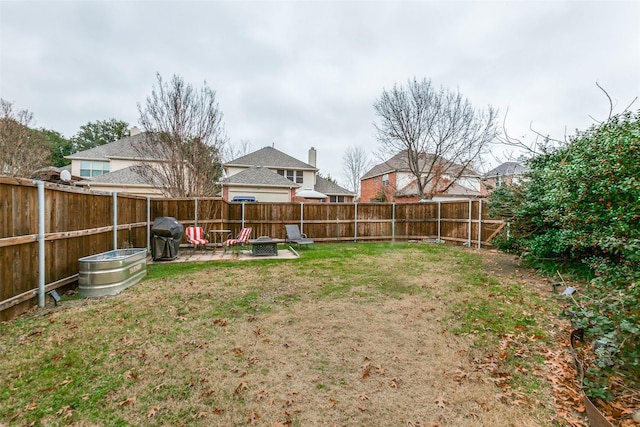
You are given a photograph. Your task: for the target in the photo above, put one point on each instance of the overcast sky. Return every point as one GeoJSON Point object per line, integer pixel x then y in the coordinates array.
{"type": "Point", "coordinates": [303, 74]}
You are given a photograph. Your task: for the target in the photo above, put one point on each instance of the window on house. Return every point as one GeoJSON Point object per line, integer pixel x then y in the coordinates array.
{"type": "Point", "coordinates": [292, 175]}
{"type": "Point", "coordinates": [91, 169]}
{"type": "Point", "coordinates": [336, 199]}
{"type": "Point", "coordinates": [385, 179]}
{"type": "Point", "coordinates": [499, 181]}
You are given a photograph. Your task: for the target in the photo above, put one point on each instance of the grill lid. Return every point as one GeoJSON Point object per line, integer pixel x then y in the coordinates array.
{"type": "Point", "coordinates": [167, 226]}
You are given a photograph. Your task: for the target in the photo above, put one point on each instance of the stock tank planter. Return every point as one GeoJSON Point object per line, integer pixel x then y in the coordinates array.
{"type": "Point", "coordinates": [109, 273]}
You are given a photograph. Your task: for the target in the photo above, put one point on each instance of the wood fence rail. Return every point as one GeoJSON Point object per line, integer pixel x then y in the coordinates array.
{"type": "Point", "coordinates": [42, 235]}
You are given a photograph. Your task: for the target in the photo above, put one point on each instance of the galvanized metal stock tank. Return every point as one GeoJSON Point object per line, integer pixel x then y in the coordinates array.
{"type": "Point", "coordinates": [109, 273]}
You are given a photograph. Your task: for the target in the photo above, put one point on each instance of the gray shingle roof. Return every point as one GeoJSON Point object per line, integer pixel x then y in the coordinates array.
{"type": "Point", "coordinates": [454, 190]}
{"type": "Point", "coordinates": [507, 168]}
{"type": "Point", "coordinates": [269, 157]}
{"type": "Point", "coordinates": [330, 189]}
{"type": "Point", "coordinates": [126, 176]}
{"type": "Point", "coordinates": [258, 175]}
{"type": "Point", "coordinates": [123, 148]}
{"type": "Point", "coordinates": [400, 163]}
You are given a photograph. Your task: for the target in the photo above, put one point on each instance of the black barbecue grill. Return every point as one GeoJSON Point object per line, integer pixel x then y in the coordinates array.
{"type": "Point", "coordinates": [167, 233]}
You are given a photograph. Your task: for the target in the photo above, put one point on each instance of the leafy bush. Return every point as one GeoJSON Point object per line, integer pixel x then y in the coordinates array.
{"type": "Point", "coordinates": [581, 204]}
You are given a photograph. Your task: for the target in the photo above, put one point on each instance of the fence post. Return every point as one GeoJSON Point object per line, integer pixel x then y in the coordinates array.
{"type": "Point", "coordinates": [41, 249]}
{"type": "Point", "coordinates": [301, 217]}
{"type": "Point", "coordinates": [242, 215]}
{"type": "Point", "coordinates": [195, 215]}
{"type": "Point", "coordinates": [115, 220]}
{"type": "Point", "coordinates": [439, 217]}
{"type": "Point", "coordinates": [470, 223]}
{"type": "Point", "coordinates": [393, 222]}
{"type": "Point", "coordinates": [355, 223]}
{"type": "Point", "coordinates": [148, 224]}
{"type": "Point", "coordinates": [479, 223]}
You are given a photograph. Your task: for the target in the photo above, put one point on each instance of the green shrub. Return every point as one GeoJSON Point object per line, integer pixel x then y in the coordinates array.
{"type": "Point", "coordinates": [580, 203]}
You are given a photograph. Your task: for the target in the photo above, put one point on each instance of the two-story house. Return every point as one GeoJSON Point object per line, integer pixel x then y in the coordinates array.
{"type": "Point", "coordinates": [111, 167]}
{"type": "Point", "coordinates": [269, 175]}
{"type": "Point", "coordinates": [393, 181]}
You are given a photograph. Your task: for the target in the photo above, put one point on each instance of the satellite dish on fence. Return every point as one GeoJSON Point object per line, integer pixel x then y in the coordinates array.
{"type": "Point", "coordinates": [65, 175]}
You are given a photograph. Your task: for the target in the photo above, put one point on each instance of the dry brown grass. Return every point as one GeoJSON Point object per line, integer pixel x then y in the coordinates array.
{"type": "Point", "coordinates": [295, 343]}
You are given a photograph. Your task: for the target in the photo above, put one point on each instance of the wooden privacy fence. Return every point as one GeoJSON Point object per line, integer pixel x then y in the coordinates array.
{"type": "Point", "coordinates": [46, 228]}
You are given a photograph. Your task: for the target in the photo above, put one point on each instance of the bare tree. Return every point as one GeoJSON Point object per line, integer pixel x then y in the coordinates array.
{"type": "Point", "coordinates": [22, 150]}
{"type": "Point", "coordinates": [438, 130]}
{"type": "Point", "coordinates": [183, 139]}
{"type": "Point", "coordinates": [355, 163]}
{"type": "Point", "coordinates": [233, 151]}
{"type": "Point", "coordinates": [543, 143]}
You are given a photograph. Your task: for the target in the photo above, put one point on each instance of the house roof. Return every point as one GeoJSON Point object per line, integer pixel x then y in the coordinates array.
{"type": "Point", "coordinates": [124, 148]}
{"type": "Point", "coordinates": [126, 176]}
{"type": "Point", "coordinates": [259, 176]}
{"type": "Point", "coordinates": [400, 163]}
{"type": "Point", "coordinates": [329, 188]}
{"type": "Point", "coordinates": [507, 168]}
{"type": "Point", "coordinates": [269, 157]}
{"type": "Point", "coordinates": [454, 190]}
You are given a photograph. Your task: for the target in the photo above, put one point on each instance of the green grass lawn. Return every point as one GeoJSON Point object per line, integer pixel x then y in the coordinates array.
{"type": "Point", "coordinates": [347, 334]}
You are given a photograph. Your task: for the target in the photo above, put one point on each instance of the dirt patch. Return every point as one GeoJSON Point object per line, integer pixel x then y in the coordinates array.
{"type": "Point", "coordinates": [375, 364]}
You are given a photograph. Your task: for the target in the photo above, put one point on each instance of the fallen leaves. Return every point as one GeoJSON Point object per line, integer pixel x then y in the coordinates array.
{"type": "Point", "coordinates": [199, 415]}
{"type": "Point", "coordinates": [503, 365]}
{"type": "Point", "coordinates": [460, 376]}
{"type": "Point", "coordinates": [261, 394]}
{"type": "Point", "coordinates": [367, 367]}
{"type": "Point", "coordinates": [367, 371]}
{"type": "Point", "coordinates": [394, 383]}
{"type": "Point", "coordinates": [131, 375]}
{"type": "Point", "coordinates": [253, 417]}
{"type": "Point", "coordinates": [128, 401]}
{"type": "Point", "coordinates": [220, 322]}
{"type": "Point", "coordinates": [65, 412]}
{"type": "Point", "coordinates": [240, 388]}
{"type": "Point", "coordinates": [65, 382]}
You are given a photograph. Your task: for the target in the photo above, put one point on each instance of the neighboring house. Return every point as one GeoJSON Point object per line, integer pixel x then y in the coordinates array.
{"type": "Point", "coordinates": [336, 193]}
{"type": "Point", "coordinates": [112, 167]}
{"type": "Point", "coordinates": [393, 181]}
{"type": "Point", "coordinates": [506, 174]}
{"type": "Point", "coordinates": [270, 175]}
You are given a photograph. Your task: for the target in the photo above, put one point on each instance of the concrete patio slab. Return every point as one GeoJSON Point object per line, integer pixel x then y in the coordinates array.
{"type": "Point", "coordinates": [186, 255]}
